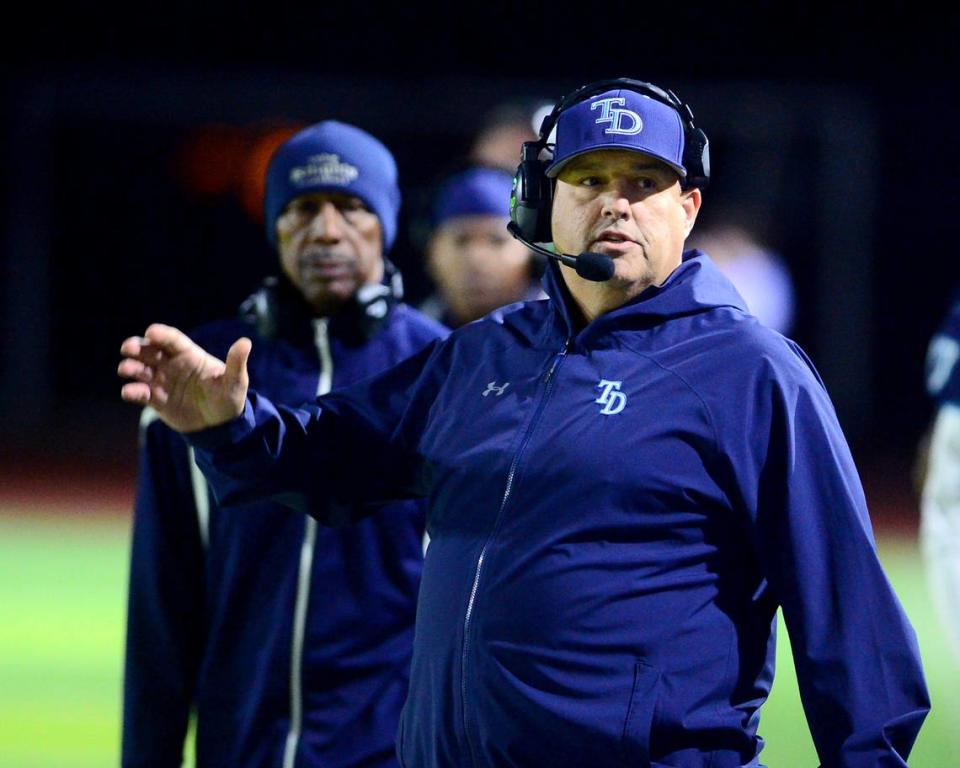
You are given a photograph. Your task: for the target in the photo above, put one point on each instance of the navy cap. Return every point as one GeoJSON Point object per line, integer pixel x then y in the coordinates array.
{"type": "Point", "coordinates": [619, 119]}
{"type": "Point", "coordinates": [474, 192]}
{"type": "Point", "coordinates": [333, 157]}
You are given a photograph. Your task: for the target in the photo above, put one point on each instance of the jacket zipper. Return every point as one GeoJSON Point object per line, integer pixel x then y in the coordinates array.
{"type": "Point", "coordinates": [548, 382]}
{"type": "Point", "coordinates": [322, 342]}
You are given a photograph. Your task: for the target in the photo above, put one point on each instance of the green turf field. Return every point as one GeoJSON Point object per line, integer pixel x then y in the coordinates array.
{"type": "Point", "coordinates": [62, 607]}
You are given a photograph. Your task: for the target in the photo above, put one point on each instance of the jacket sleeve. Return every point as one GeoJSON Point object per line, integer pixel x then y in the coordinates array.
{"type": "Point", "coordinates": [335, 459]}
{"type": "Point", "coordinates": [165, 603]}
{"type": "Point", "coordinates": [856, 655]}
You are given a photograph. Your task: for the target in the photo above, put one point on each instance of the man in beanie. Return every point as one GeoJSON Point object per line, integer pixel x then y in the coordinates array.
{"type": "Point", "coordinates": [625, 483]}
{"type": "Point", "coordinates": [289, 641]}
{"type": "Point", "coordinates": [476, 265]}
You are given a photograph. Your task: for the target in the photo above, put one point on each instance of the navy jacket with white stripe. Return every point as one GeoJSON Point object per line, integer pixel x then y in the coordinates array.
{"type": "Point", "coordinates": [213, 592]}
{"type": "Point", "coordinates": [616, 513]}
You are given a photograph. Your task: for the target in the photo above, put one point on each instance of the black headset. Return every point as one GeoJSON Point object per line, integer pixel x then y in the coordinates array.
{"type": "Point", "coordinates": [278, 309]}
{"type": "Point", "coordinates": [532, 195]}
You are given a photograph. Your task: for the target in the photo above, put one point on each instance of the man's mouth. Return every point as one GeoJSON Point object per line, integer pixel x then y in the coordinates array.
{"type": "Point", "coordinates": [325, 267]}
{"type": "Point", "coordinates": [613, 240]}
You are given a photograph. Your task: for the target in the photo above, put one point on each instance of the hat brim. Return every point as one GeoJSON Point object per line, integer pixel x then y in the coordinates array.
{"type": "Point", "coordinates": [556, 167]}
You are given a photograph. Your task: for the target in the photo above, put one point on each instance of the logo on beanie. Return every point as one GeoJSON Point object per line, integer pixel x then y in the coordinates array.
{"type": "Point", "coordinates": [321, 170]}
{"type": "Point", "coordinates": [624, 122]}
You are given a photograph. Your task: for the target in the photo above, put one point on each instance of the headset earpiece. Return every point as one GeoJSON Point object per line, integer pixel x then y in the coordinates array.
{"type": "Point", "coordinates": [532, 195]}
{"type": "Point", "coordinates": [261, 309]}
{"type": "Point", "coordinates": [697, 148]}
{"type": "Point", "coordinates": [277, 308]}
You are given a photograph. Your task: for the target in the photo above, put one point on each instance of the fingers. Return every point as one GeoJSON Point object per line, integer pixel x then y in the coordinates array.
{"type": "Point", "coordinates": [142, 393]}
{"type": "Point", "coordinates": [237, 356]}
{"type": "Point", "coordinates": [158, 340]}
{"type": "Point", "coordinates": [134, 369]}
{"type": "Point", "coordinates": [141, 356]}
{"type": "Point", "coordinates": [135, 392]}
{"type": "Point", "coordinates": [138, 348]}
{"type": "Point", "coordinates": [167, 339]}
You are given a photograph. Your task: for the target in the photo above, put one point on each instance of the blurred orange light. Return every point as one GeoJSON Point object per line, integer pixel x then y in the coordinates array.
{"type": "Point", "coordinates": [252, 172]}
{"type": "Point", "coordinates": [207, 162]}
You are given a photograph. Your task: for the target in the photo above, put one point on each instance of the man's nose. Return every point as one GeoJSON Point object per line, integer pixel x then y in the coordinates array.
{"type": "Point", "coordinates": [616, 204]}
{"type": "Point", "coordinates": [476, 254]}
{"type": "Point", "coordinates": [326, 225]}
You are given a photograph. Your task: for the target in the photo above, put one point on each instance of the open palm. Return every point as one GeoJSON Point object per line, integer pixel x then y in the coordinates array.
{"type": "Point", "coordinates": [189, 388]}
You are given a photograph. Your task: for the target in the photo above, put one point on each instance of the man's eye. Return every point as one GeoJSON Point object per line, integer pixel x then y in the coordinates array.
{"type": "Point", "coordinates": [352, 210]}
{"type": "Point", "coordinates": [589, 181]}
{"type": "Point", "coordinates": [306, 208]}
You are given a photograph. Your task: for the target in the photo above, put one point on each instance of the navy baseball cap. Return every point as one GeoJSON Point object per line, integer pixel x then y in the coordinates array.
{"type": "Point", "coordinates": [476, 191]}
{"type": "Point", "coordinates": [619, 119]}
{"type": "Point", "coordinates": [333, 157]}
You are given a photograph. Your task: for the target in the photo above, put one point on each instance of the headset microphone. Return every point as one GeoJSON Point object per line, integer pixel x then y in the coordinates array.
{"type": "Point", "coordinates": [590, 266]}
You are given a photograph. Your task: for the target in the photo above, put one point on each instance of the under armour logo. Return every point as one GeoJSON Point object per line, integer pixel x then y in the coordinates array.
{"type": "Point", "coordinates": [492, 388]}
{"type": "Point", "coordinates": [616, 117]}
{"type": "Point", "coordinates": [612, 399]}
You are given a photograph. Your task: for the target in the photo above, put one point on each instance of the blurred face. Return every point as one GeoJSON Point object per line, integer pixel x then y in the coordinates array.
{"type": "Point", "coordinates": [477, 265]}
{"type": "Point", "coordinates": [330, 245]}
{"type": "Point", "coordinates": [630, 207]}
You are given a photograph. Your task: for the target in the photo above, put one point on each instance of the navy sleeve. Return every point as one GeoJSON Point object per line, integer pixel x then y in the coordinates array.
{"type": "Point", "coordinates": [856, 654]}
{"type": "Point", "coordinates": [335, 459]}
{"type": "Point", "coordinates": [857, 658]}
{"type": "Point", "coordinates": [165, 605]}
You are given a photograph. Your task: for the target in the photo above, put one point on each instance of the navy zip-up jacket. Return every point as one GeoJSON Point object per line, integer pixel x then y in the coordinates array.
{"type": "Point", "coordinates": [291, 642]}
{"type": "Point", "coordinates": [615, 515]}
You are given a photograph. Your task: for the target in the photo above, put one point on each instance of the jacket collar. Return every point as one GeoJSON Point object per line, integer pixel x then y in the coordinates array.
{"type": "Point", "coordinates": [696, 286]}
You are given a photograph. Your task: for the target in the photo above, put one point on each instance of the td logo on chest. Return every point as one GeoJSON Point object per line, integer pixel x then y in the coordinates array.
{"type": "Point", "coordinates": [611, 398]}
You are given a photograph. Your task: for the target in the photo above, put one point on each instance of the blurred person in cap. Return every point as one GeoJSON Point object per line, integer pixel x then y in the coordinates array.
{"type": "Point", "coordinates": [502, 131]}
{"type": "Point", "coordinates": [474, 262]}
{"type": "Point", "coordinates": [758, 273]}
{"type": "Point", "coordinates": [289, 641]}
{"type": "Point", "coordinates": [625, 483]}
{"type": "Point", "coordinates": [940, 498]}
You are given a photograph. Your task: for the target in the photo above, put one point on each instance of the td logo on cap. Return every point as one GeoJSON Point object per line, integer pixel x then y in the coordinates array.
{"type": "Point", "coordinates": [616, 117]}
{"type": "Point", "coordinates": [619, 119]}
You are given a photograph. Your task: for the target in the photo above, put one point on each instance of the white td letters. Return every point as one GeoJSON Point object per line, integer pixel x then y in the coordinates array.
{"type": "Point", "coordinates": [622, 121]}
{"type": "Point", "coordinates": [611, 398]}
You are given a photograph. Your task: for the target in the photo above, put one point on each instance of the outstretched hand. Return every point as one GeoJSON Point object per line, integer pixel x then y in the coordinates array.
{"type": "Point", "coordinates": [189, 388]}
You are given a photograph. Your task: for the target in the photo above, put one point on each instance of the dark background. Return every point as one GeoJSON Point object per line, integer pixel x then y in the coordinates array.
{"type": "Point", "coordinates": [833, 128]}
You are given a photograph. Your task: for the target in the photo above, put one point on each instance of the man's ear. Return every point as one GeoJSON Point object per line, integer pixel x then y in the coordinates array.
{"type": "Point", "coordinates": [430, 258]}
{"type": "Point", "coordinates": [690, 199]}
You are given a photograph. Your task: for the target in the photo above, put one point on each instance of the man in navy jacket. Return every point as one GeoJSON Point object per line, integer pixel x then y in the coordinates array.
{"type": "Point", "coordinates": [291, 642]}
{"type": "Point", "coordinates": [940, 502]}
{"type": "Point", "coordinates": [625, 481]}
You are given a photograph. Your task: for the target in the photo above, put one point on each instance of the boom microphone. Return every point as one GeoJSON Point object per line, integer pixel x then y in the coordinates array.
{"type": "Point", "coordinates": [589, 265]}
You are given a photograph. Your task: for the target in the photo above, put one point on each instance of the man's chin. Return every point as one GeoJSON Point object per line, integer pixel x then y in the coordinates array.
{"type": "Point", "coordinates": [328, 298]}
